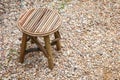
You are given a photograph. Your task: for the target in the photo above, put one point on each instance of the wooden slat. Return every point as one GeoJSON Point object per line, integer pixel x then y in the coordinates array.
{"type": "Point", "coordinates": [36, 24]}
{"type": "Point", "coordinates": [29, 18]}
{"type": "Point", "coordinates": [27, 27]}
{"type": "Point", "coordinates": [35, 20]}
{"type": "Point", "coordinates": [56, 25]}
{"type": "Point", "coordinates": [43, 20]}
{"type": "Point", "coordinates": [25, 16]}
{"type": "Point", "coordinates": [47, 26]}
{"type": "Point", "coordinates": [51, 25]}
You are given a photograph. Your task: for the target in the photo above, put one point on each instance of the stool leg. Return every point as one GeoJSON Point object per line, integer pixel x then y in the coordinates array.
{"type": "Point", "coordinates": [23, 47]}
{"type": "Point", "coordinates": [32, 41]}
{"type": "Point", "coordinates": [49, 51]}
{"type": "Point", "coordinates": [58, 45]}
{"type": "Point", "coordinates": [39, 45]}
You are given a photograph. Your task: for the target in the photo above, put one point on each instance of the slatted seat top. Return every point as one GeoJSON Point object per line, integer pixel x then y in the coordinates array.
{"type": "Point", "coordinates": [39, 22]}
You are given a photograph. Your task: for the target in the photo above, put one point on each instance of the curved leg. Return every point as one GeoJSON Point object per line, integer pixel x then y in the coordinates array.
{"type": "Point", "coordinates": [23, 47]}
{"type": "Point", "coordinates": [58, 45]}
{"type": "Point", "coordinates": [49, 51]}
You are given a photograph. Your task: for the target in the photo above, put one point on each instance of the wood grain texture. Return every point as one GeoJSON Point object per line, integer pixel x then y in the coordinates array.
{"type": "Point", "coordinates": [39, 22]}
{"type": "Point", "coordinates": [23, 48]}
{"type": "Point", "coordinates": [58, 45]}
{"type": "Point", "coordinates": [49, 51]}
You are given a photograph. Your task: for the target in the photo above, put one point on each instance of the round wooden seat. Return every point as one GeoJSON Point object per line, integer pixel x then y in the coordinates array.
{"type": "Point", "coordinates": [39, 22]}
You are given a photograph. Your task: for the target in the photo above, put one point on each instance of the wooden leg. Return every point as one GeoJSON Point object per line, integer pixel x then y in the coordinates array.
{"type": "Point", "coordinates": [39, 45]}
{"type": "Point", "coordinates": [58, 45]}
{"type": "Point", "coordinates": [49, 51]}
{"type": "Point", "coordinates": [32, 41]}
{"type": "Point", "coordinates": [23, 47]}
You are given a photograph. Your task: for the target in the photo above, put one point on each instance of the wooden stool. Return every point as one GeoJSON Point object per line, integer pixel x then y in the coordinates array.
{"type": "Point", "coordinates": [40, 22]}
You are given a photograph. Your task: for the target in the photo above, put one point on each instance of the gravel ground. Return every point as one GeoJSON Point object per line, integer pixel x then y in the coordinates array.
{"type": "Point", "coordinates": [90, 42]}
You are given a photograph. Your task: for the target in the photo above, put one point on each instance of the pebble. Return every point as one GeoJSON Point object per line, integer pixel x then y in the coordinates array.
{"type": "Point", "coordinates": [90, 42]}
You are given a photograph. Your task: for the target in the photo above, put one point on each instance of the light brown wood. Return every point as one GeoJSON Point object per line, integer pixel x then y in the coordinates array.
{"type": "Point", "coordinates": [25, 16]}
{"type": "Point", "coordinates": [40, 46]}
{"type": "Point", "coordinates": [58, 45]}
{"type": "Point", "coordinates": [39, 22]}
{"type": "Point", "coordinates": [23, 47]}
{"type": "Point", "coordinates": [49, 51]}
